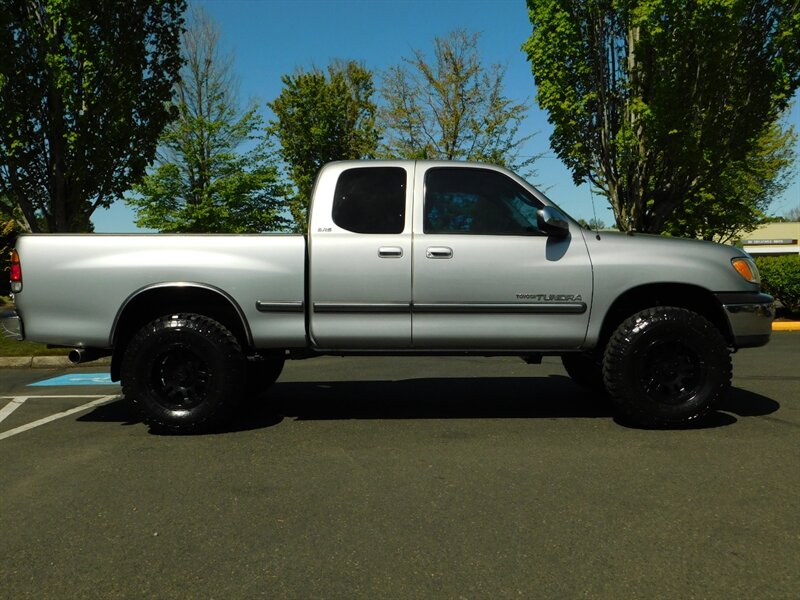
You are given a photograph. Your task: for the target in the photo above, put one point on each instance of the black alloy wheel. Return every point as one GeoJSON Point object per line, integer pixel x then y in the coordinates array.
{"type": "Point", "coordinates": [665, 367]}
{"type": "Point", "coordinates": [180, 378]}
{"type": "Point", "coordinates": [183, 373]}
{"type": "Point", "coordinates": [672, 372]}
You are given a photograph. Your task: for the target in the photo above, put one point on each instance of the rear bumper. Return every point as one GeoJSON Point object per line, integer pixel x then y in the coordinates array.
{"type": "Point", "coordinates": [750, 317]}
{"type": "Point", "coordinates": [11, 325]}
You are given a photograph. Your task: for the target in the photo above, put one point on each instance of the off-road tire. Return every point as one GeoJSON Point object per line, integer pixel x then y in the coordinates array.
{"type": "Point", "coordinates": [183, 373]}
{"type": "Point", "coordinates": [666, 367]}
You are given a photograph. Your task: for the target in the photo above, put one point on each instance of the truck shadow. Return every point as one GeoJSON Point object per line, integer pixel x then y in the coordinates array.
{"type": "Point", "coordinates": [552, 397]}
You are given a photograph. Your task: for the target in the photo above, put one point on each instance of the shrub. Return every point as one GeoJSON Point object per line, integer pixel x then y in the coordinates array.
{"type": "Point", "coordinates": [780, 277]}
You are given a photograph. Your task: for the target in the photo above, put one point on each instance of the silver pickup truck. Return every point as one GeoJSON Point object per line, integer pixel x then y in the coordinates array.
{"type": "Point", "coordinates": [402, 257]}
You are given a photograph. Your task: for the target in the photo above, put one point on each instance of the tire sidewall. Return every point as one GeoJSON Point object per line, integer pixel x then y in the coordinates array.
{"type": "Point", "coordinates": [626, 365]}
{"type": "Point", "coordinates": [210, 343]}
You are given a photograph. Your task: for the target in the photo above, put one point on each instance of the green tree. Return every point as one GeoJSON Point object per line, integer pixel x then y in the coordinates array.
{"type": "Point", "coordinates": [213, 173]}
{"type": "Point", "coordinates": [660, 103]}
{"type": "Point", "coordinates": [593, 224]}
{"type": "Point", "coordinates": [452, 108]}
{"type": "Point", "coordinates": [737, 201]}
{"type": "Point", "coordinates": [320, 117]}
{"type": "Point", "coordinates": [83, 87]}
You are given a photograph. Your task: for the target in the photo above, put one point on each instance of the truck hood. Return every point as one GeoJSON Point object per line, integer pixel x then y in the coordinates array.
{"type": "Point", "coordinates": [626, 260]}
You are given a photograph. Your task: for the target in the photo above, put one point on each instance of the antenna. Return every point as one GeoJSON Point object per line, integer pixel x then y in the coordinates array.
{"type": "Point", "coordinates": [594, 213]}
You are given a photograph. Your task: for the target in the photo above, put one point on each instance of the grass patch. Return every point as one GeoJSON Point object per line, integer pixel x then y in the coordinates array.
{"type": "Point", "coordinates": [15, 348]}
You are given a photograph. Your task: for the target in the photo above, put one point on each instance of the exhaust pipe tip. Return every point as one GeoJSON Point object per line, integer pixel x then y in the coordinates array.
{"type": "Point", "coordinates": [79, 356]}
{"type": "Point", "coordinates": [76, 356]}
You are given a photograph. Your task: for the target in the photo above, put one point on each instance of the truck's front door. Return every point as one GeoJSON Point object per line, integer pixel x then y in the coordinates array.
{"type": "Point", "coordinates": [360, 257]}
{"type": "Point", "coordinates": [485, 275]}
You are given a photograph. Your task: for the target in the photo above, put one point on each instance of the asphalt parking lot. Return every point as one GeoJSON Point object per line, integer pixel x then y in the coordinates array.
{"type": "Point", "coordinates": [403, 478]}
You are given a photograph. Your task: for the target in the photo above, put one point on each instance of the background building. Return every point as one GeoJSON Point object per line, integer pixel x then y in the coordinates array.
{"type": "Point", "coordinates": [773, 239]}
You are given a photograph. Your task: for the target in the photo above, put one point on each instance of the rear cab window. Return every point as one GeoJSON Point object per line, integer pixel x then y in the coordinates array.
{"type": "Point", "coordinates": [371, 200]}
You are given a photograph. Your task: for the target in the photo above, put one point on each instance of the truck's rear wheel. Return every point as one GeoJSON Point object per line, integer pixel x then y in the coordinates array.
{"type": "Point", "coordinates": [666, 366]}
{"type": "Point", "coordinates": [183, 373]}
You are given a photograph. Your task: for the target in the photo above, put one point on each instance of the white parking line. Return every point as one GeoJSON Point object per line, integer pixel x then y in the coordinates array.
{"type": "Point", "coordinates": [9, 408]}
{"type": "Point", "coordinates": [16, 401]}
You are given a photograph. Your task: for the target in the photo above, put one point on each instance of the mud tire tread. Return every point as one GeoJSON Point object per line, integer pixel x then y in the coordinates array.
{"type": "Point", "coordinates": [218, 347]}
{"type": "Point", "coordinates": [623, 379]}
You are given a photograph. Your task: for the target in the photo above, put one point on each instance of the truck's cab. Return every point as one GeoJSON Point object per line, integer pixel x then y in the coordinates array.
{"type": "Point", "coordinates": [442, 256]}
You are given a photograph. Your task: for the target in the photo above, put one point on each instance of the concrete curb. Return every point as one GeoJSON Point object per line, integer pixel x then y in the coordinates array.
{"type": "Point", "coordinates": [786, 326]}
{"type": "Point", "coordinates": [46, 362]}
{"type": "Point", "coordinates": [16, 362]}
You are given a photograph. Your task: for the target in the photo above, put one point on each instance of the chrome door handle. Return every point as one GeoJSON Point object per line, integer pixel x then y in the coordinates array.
{"type": "Point", "coordinates": [390, 252]}
{"type": "Point", "coordinates": [439, 252]}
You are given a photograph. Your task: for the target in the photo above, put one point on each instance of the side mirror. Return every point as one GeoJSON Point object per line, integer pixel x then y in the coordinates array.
{"type": "Point", "coordinates": [552, 221]}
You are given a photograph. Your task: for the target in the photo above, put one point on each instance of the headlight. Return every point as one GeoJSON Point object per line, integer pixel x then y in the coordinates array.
{"type": "Point", "coordinates": [747, 269]}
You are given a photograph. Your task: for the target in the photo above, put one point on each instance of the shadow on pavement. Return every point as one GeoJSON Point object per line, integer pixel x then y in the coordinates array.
{"type": "Point", "coordinates": [748, 404]}
{"type": "Point", "coordinates": [439, 398]}
{"type": "Point", "coordinates": [117, 411]}
{"type": "Point", "coordinates": [739, 402]}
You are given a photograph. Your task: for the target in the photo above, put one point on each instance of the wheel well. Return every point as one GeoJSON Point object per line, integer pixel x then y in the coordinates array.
{"type": "Point", "coordinates": [690, 297]}
{"type": "Point", "coordinates": [150, 304]}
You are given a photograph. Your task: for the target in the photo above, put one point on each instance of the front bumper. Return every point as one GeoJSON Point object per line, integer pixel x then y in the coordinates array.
{"type": "Point", "coordinates": [750, 317]}
{"type": "Point", "coordinates": [11, 325]}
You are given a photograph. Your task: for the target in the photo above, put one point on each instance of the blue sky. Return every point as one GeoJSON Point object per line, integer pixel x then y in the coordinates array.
{"type": "Point", "coordinates": [270, 38]}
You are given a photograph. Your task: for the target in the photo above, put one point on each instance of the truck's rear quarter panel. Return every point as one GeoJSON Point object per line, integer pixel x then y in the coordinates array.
{"type": "Point", "coordinates": [75, 285]}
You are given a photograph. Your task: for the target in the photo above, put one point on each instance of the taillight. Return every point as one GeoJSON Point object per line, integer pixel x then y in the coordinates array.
{"type": "Point", "coordinates": [16, 273]}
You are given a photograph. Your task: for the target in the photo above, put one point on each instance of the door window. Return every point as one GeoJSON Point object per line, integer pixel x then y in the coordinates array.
{"type": "Point", "coordinates": [477, 201]}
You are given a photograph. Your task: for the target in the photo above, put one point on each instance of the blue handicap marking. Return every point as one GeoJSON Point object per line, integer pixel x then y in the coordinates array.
{"type": "Point", "coordinates": [76, 379]}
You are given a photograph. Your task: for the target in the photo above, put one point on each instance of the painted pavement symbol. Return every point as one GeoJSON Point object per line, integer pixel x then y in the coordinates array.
{"type": "Point", "coordinates": [76, 379]}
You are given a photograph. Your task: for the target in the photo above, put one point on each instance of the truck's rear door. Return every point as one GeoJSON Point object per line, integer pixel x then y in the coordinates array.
{"type": "Point", "coordinates": [360, 256]}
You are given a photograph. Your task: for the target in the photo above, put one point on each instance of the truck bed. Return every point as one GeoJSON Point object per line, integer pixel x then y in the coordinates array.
{"type": "Point", "coordinates": [93, 278]}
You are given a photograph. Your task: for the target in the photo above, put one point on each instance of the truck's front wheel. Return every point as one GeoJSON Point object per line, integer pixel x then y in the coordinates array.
{"type": "Point", "coordinates": [666, 366]}
{"type": "Point", "coordinates": [183, 372]}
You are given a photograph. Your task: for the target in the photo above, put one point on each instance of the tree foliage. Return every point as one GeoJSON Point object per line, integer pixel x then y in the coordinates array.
{"type": "Point", "coordinates": [664, 103]}
{"type": "Point", "coordinates": [321, 117]}
{"type": "Point", "coordinates": [780, 277]}
{"type": "Point", "coordinates": [594, 224]}
{"type": "Point", "coordinates": [202, 182]}
{"type": "Point", "coordinates": [83, 87]}
{"type": "Point", "coordinates": [452, 108]}
{"type": "Point", "coordinates": [738, 200]}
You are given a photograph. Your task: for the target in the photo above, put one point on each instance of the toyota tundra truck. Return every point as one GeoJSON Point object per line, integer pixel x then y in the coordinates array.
{"type": "Point", "coordinates": [401, 258]}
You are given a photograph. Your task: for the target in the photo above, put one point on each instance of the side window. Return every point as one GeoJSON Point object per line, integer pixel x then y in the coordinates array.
{"type": "Point", "coordinates": [478, 202]}
{"type": "Point", "coordinates": [371, 200]}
